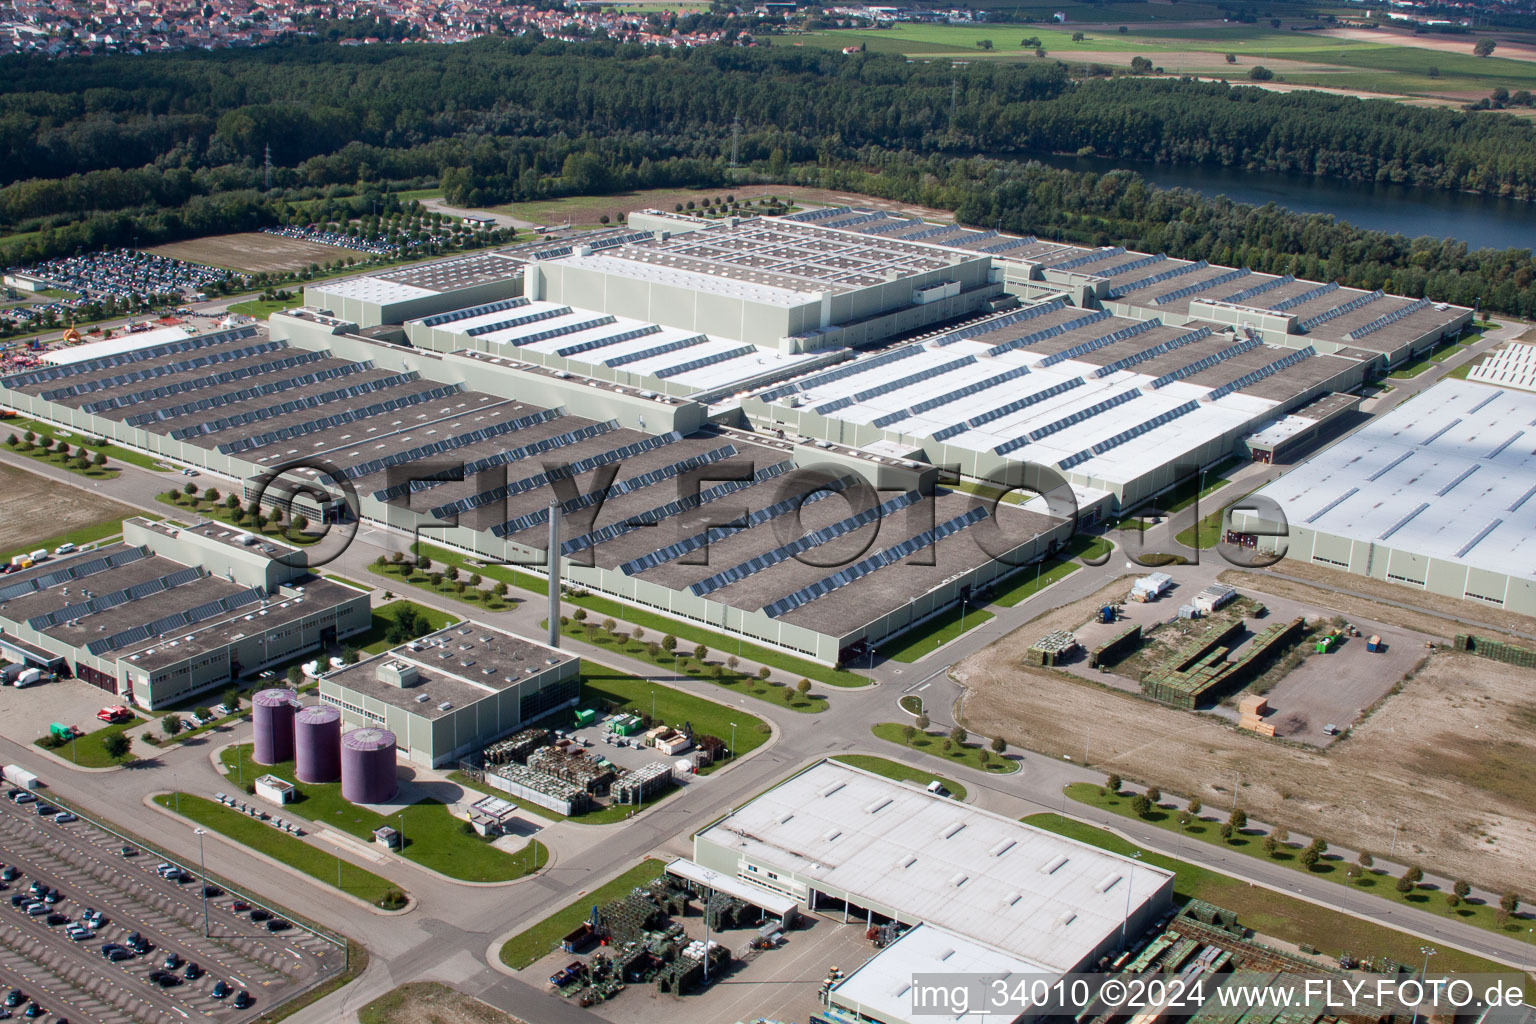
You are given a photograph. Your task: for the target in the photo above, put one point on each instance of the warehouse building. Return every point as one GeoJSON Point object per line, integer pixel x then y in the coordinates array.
{"type": "Point", "coordinates": [1380, 329]}
{"type": "Point", "coordinates": [980, 893]}
{"type": "Point", "coordinates": [174, 611]}
{"type": "Point", "coordinates": [1122, 408]}
{"type": "Point", "coordinates": [371, 411]}
{"type": "Point", "coordinates": [454, 691]}
{"type": "Point", "coordinates": [1434, 495]}
{"type": "Point", "coordinates": [604, 346]}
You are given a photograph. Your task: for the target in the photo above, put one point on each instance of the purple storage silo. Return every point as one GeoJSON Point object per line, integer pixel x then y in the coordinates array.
{"type": "Point", "coordinates": [317, 744]}
{"type": "Point", "coordinates": [368, 766]}
{"type": "Point", "coordinates": [272, 715]}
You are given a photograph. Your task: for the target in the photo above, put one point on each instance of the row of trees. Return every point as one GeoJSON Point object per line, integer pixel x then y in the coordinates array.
{"type": "Point", "coordinates": [1277, 842]}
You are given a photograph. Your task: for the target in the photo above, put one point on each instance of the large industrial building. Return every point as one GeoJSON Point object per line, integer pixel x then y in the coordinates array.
{"type": "Point", "coordinates": [687, 392]}
{"type": "Point", "coordinates": [453, 691]}
{"type": "Point", "coordinates": [1436, 494]}
{"type": "Point", "coordinates": [981, 893]}
{"type": "Point", "coordinates": [173, 611]}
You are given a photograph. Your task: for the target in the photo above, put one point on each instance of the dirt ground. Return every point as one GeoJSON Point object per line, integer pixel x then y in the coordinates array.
{"type": "Point", "coordinates": [1440, 44]}
{"type": "Point", "coordinates": [34, 508]}
{"type": "Point", "coordinates": [252, 252]}
{"type": "Point", "coordinates": [1427, 757]}
{"type": "Point", "coordinates": [427, 1002]}
{"type": "Point", "coordinates": [1433, 614]}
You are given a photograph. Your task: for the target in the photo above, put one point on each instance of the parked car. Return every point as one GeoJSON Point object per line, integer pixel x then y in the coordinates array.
{"type": "Point", "coordinates": [220, 990]}
{"type": "Point", "coordinates": [64, 817]}
{"type": "Point", "coordinates": [242, 999]}
{"type": "Point", "coordinates": [15, 997]}
{"type": "Point", "coordinates": [277, 924]}
{"type": "Point", "coordinates": [193, 972]}
{"type": "Point", "coordinates": [259, 915]}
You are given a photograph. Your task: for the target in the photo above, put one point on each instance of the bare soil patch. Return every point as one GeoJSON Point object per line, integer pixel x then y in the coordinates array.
{"type": "Point", "coordinates": [34, 508]}
{"type": "Point", "coordinates": [1421, 759]}
{"type": "Point", "coordinates": [1432, 614]}
{"type": "Point", "coordinates": [428, 1002]}
{"type": "Point", "coordinates": [252, 252]}
{"type": "Point", "coordinates": [1439, 44]}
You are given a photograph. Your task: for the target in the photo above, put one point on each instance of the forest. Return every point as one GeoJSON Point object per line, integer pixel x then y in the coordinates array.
{"type": "Point", "coordinates": [176, 148]}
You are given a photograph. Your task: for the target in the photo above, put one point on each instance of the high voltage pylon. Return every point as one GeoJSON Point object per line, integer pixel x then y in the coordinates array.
{"type": "Point", "coordinates": [735, 140]}
{"type": "Point", "coordinates": [268, 164]}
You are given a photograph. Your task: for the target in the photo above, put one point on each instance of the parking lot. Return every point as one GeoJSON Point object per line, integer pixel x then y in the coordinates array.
{"type": "Point", "coordinates": [73, 980]}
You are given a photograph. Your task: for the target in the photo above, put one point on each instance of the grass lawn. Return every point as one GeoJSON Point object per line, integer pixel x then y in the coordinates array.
{"type": "Point", "coordinates": [480, 597]}
{"type": "Point", "coordinates": [900, 772]}
{"type": "Point", "coordinates": [434, 838]}
{"type": "Point", "coordinates": [596, 816]}
{"type": "Point", "coordinates": [659, 625]}
{"type": "Point", "coordinates": [70, 462]}
{"type": "Point", "coordinates": [104, 530]}
{"type": "Point", "coordinates": [1270, 913]}
{"type": "Point", "coordinates": [1028, 584]}
{"type": "Point", "coordinates": [1250, 841]}
{"type": "Point", "coordinates": [217, 510]}
{"type": "Point", "coordinates": [88, 751]}
{"type": "Point", "coordinates": [527, 946]}
{"type": "Point", "coordinates": [912, 704]}
{"type": "Point", "coordinates": [682, 660]}
{"type": "Point", "coordinates": [932, 744]}
{"type": "Point", "coordinates": [258, 835]}
{"type": "Point", "coordinates": [1203, 534]}
{"type": "Point", "coordinates": [376, 639]}
{"type": "Point", "coordinates": [75, 439]}
{"type": "Point", "coordinates": [1180, 497]}
{"type": "Point", "coordinates": [929, 636]}
{"type": "Point", "coordinates": [263, 308]}
{"type": "Point", "coordinates": [617, 691]}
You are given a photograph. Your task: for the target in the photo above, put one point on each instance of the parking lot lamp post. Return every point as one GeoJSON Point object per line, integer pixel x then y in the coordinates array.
{"type": "Point", "coordinates": [203, 867]}
{"type": "Point", "coordinates": [1428, 952]}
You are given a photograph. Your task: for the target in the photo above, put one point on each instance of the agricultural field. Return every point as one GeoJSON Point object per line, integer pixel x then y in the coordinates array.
{"type": "Point", "coordinates": [252, 252]}
{"type": "Point", "coordinates": [1429, 69]}
{"type": "Point", "coordinates": [34, 509]}
{"type": "Point", "coordinates": [1464, 804]}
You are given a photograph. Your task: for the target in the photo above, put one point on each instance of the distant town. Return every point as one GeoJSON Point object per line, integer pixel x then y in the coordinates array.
{"type": "Point", "coordinates": [74, 27]}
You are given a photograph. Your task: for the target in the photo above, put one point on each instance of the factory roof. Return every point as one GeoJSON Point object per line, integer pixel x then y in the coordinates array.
{"type": "Point", "coordinates": [1029, 893]}
{"type": "Point", "coordinates": [620, 343]}
{"type": "Point", "coordinates": [1449, 475]}
{"type": "Point", "coordinates": [308, 596]}
{"type": "Point", "coordinates": [1101, 394]}
{"type": "Point", "coordinates": [125, 342]}
{"type": "Point", "coordinates": [1513, 366]}
{"type": "Point", "coordinates": [455, 667]}
{"type": "Point", "coordinates": [775, 260]}
{"type": "Point", "coordinates": [373, 289]}
{"type": "Point", "coordinates": [882, 989]}
{"type": "Point", "coordinates": [683, 868]}
{"type": "Point", "coordinates": [453, 274]}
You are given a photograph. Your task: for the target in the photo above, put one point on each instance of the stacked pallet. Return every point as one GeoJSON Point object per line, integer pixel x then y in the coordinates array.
{"type": "Point", "coordinates": [1253, 708]}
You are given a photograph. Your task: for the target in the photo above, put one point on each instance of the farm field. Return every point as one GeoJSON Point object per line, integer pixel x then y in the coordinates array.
{"type": "Point", "coordinates": [1354, 61]}
{"type": "Point", "coordinates": [34, 508]}
{"type": "Point", "coordinates": [1412, 760]}
{"type": "Point", "coordinates": [252, 252]}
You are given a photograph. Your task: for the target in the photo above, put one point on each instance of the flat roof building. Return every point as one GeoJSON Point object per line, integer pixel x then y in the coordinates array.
{"type": "Point", "coordinates": [173, 610]}
{"type": "Point", "coordinates": [1018, 900]}
{"type": "Point", "coordinates": [1436, 494]}
{"type": "Point", "coordinates": [454, 691]}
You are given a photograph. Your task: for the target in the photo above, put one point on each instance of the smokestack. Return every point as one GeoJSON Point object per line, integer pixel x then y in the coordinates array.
{"type": "Point", "coordinates": [554, 573]}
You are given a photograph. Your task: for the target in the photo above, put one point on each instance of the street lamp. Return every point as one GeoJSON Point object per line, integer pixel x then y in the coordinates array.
{"type": "Point", "coordinates": [203, 866]}
{"type": "Point", "coordinates": [733, 741]}
{"type": "Point", "coordinates": [1126, 921]}
{"type": "Point", "coordinates": [402, 833]}
{"type": "Point", "coordinates": [1428, 952]}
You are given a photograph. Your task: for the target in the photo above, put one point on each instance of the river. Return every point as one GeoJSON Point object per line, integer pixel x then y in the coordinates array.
{"type": "Point", "coordinates": [1479, 220]}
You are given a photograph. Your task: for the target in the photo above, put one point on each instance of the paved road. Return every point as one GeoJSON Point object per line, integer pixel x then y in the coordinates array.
{"type": "Point", "coordinates": [452, 933]}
